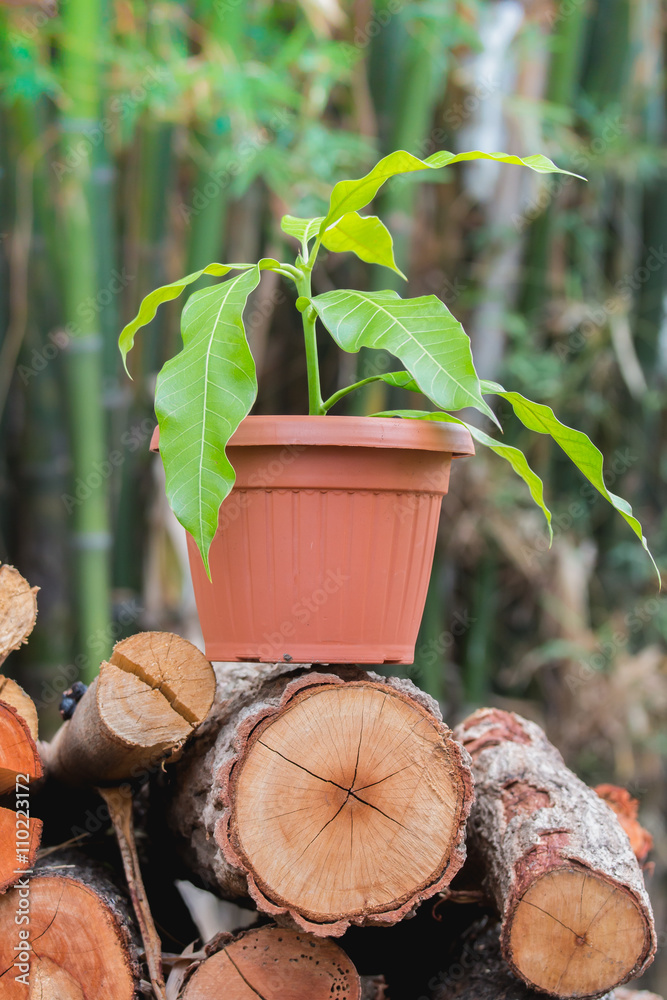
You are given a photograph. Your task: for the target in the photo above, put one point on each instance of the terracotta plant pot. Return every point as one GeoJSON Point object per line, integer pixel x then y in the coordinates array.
{"type": "Point", "coordinates": [325, 545]}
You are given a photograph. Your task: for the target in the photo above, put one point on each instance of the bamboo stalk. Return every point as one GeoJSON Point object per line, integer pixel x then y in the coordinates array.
{"type": "Point", "coordinates": [84, 366]}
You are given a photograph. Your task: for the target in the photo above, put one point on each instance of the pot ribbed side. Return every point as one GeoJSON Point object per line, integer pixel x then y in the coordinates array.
{"type": "Point", "coordinates": [318, 575]}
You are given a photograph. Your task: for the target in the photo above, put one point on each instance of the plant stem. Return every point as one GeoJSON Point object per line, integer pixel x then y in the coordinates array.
{"type": "Point", "coordinates": [332, 400]}
{"type": "Point", "coordinates": [309, 319]}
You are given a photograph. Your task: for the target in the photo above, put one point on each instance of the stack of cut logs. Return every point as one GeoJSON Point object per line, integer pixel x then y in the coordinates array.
{"type": "Point", "coordinates": [379, 854]}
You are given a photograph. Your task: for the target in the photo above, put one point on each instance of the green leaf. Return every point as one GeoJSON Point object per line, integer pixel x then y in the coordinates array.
{"type": "Point", "coordinates": [166, 293]}
{"type": "Point", "coordinates": [576, 445]}
{"type": "Point", "coordinates": [366, 236]}
{"type": "Point", "coordinates": [301, 229]}
{"type": "Point", "coordinates": [516, 458]}
{"type": "Point", "coordinates": [350, 196]}
{"type": "Point", "coordinates": [421, 333]}
{"type": "Point", "coordinates": [202, 395]}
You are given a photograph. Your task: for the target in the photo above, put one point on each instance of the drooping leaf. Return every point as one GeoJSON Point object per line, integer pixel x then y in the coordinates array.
{"type": "Point", "coordinates": [350, 196]}
{"type": "Point", "coordinates": [202, 395]}
{"type": "Point", "coordinates": [577, 446]}
{"type": "Point", "coordinates": [420, 332]}
{"type": "Point", "coordinates": [366, 236]}
{"type": "Point", "coordinates": [166, 293]}
{"type": "Point", "coordinates": [301, 229]}
{"type": "Point", "coordinates": [516, 458]}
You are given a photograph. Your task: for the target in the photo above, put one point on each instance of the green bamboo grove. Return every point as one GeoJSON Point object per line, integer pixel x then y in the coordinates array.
{"type": "Point", "coordinates": [141, 141]}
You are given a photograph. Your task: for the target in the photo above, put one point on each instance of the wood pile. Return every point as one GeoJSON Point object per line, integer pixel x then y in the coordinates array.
{"type": "Point", "coordinates": [381, 855]}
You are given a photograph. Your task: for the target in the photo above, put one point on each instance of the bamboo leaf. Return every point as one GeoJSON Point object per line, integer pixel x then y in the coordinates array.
{"type": "Point", "coordinates": [420, 332]}
{"type": "Point", "coordinates": [166, 293]}
{"type": "Point", "coordinates": [576, 445]}
{"type": "Point", "coordinates": [366, 236]}
{"type": "Point", "coordinates": [350, 196]}
{"type": "Point", "coordinates": [516, 458]}
{"type": "Point", "coordinates": [202, 395]}
{"type": "Point", "coordinates": [301, 229]}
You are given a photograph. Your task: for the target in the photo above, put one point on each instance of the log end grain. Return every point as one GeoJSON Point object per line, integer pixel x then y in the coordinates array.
{"type": "Point", "coordinates": [18, 751]}
{"type": "Point", "coordinates": [173, 666]}
{"type": "Point", "coordinates": [576, 917]}
{"type": "Point", "coordinates": [574, 933]}
{"type": "Point", "coordinates": [146, 702]}
{"type": "Point", "coordinates": [13, 694]}
{"type": "Point", "coordinates": [275, 963]}
{"type": "Point", "coordinates": [18, 610]}
{"type": "Point", "coordinates": [345, 803]}
{"type": "Point", "coordinates": [82, 946]}
{"type": "Point", "coordinates": [19, 841]}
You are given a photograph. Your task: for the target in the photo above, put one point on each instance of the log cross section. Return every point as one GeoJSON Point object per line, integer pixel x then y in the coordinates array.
{"type": "Point", "coordinates": [576, 918]}
{"type": "Point", "coordinates": [343, 800]}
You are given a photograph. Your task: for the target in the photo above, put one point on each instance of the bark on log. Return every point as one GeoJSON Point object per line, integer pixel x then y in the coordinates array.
{"type": "Point", "coordinates": [146, 702]}
{"type": "Point", "coordinates": [18, 610]}
{"type": "Point", "coordinates": [13, 694]}
{"type": "Point", "coordinates": [331, 798]}
{"type": "Point", "coordinates": [478, 971]}
{"type": "Point", "coordinates": [18, 751]}
{"type": "Point", "coordinates": [79, 943]}
{"type": "Point", "coordinates": [576, 918]}
{"type": "Point", "coordinates": [275, 963]}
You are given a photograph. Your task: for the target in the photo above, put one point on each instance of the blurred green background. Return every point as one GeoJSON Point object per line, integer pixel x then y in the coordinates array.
{"type": "Point", "coordinates": [141, 140]}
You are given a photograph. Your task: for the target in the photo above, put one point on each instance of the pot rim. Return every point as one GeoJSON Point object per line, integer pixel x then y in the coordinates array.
{"type": "Point", "coordinates": [348, 431]}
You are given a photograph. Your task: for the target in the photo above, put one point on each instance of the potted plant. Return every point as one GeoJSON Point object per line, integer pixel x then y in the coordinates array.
{"type": "Point", "coordinates": [323, 550]}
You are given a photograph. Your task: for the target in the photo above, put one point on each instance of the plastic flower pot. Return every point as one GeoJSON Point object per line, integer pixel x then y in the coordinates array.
{"type": "Point", "coordinates": [325, 545]}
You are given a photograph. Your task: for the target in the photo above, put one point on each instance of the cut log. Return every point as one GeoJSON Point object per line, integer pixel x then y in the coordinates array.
{"type": "Point", "coordinates": [576, 918]}
{"type": "Point", "coordinates": [78, 942]}
{"type": "Point", "coordinates": [331, 798]}
{"type": "Point", "coordinates": [275, 963]}
{"type": "Point", "coordinates": [477, 971]}
{"type": "Point", "coordinates": [19, 758]}
{"type": "Point", "coordinates": [147, 700]}
{"type": "Point", "coordinates": [20, 835]}
{"type": "Point", "coordinates": [13, 694]}
{"type": "Point", "coordinates": [18, 610]}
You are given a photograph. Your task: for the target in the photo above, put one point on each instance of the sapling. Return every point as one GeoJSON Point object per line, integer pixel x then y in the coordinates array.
{"type": "Point", "coordinates": [206, 390]}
